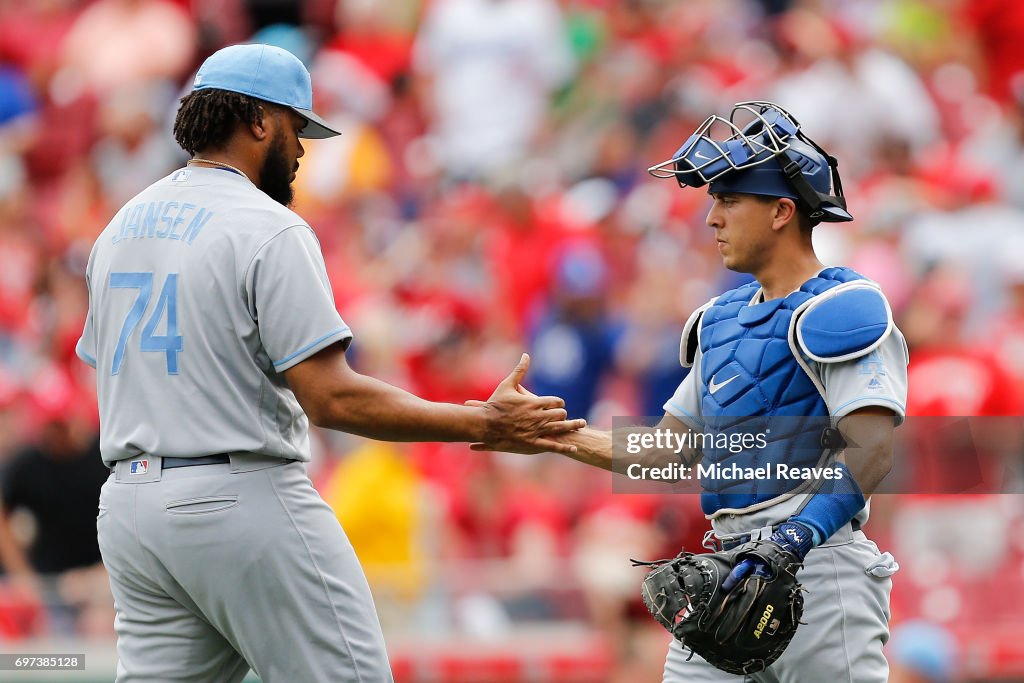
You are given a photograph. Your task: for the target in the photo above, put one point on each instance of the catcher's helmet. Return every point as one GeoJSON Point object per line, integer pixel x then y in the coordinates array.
{"type": "Point", "coordinates": [769, 156]}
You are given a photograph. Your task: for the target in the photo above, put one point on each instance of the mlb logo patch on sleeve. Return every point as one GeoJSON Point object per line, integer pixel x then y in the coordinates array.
{"type": "Point", "coordinates": [139, 467]}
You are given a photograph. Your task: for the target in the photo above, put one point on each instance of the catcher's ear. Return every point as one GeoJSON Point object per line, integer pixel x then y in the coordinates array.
{"type": "Point", "coordinates": [784, 212]}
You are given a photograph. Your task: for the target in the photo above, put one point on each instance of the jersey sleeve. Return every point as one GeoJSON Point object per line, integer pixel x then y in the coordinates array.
{"type": "Point", "coordinates": [877, 379]}
{"type": "Point", "coordinates": [290, 297]}
{"type": "Point", "coordinates": [685, 402]}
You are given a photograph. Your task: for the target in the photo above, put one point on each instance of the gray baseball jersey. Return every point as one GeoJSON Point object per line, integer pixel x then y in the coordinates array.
{"type": "Point", "coordinates": [202, 291]}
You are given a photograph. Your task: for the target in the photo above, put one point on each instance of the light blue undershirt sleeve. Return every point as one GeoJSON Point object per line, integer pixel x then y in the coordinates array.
{"type": "Point", "coordinates": [685, 402]}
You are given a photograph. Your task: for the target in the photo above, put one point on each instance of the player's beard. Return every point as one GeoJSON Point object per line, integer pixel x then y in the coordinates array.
{"type": "Point", "coordinates": [276, 173]}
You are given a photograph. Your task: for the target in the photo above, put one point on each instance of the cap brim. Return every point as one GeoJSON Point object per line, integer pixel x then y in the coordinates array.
{"type": "Point", "coordinates": [316, 128]}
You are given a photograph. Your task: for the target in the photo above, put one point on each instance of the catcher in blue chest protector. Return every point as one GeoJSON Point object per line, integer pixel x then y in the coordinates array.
{"type": "Point", "coordinates": [811, 355]}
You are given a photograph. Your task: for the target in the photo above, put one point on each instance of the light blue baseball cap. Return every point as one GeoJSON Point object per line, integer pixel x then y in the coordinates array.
{"type": "Point", "coordinates": [267, 73]}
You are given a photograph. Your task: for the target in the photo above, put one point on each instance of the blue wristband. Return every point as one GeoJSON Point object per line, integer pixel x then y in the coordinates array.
{"type": "Point", "coordinates": [795, 537]}
{"type": "Point", "coordinates": [832, 506]}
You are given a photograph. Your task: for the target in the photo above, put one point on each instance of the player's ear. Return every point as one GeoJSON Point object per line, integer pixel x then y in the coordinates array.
{"type": "Point", "coordinates": [785, 211]}
{"type": "Point", "coordinates": [259, 128]}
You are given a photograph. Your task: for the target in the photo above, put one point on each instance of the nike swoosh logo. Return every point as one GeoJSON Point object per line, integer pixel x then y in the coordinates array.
{"type": "Point", "coordinates": [713, 387]}
{"type": "Point", "coordinates": [701, 156]}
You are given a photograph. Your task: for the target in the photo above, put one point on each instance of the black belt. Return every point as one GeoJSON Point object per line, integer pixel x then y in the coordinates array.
{"type": "Point", "coordinates": [171, 463]}
{"type": "Point", "coordinates": [745, 538]}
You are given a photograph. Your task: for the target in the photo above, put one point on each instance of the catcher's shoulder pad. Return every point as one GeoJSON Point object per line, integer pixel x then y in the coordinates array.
{"type": "Point", "coordinates": [844, 323]}
{"type": "Point", "coordinates": [690, 341]}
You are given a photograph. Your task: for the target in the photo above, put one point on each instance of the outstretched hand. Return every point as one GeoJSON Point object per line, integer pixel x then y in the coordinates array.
{"type": "Point", "coordinates": [519, 421]}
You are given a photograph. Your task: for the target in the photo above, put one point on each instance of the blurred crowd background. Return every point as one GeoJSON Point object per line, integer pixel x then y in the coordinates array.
{"type": "Point", "coordinates": [490, 195]}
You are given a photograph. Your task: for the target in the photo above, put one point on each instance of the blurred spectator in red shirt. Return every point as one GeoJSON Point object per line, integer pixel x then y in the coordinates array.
{"type": "Point", "coordinates": [451, 363]}
{"type": "Point", "coordinates": [518, 241]}
{"type": "Point", "coordinates": [1008, 331]}
{"type": "Point", "coordinates": [32, 35]}
{"type": "Point", "coordinates": [955, 374]}
{"type": "Point", "coordinates": [499, 507]}
{"type": "Point", "coordinates": [378, 35]}
{"type": "Point", "coordinates": [57, 479]}
{"type": "Point", "coordinates": [23, 261]}
{"type": "Point", "coordinates": [998, 26]}
{"type": "Point", "coordinates": [951, 372]}
{"type": "Point", "coordinates": [115, 43]}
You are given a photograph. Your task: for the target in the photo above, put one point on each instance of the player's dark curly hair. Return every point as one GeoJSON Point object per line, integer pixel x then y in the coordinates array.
{"type": "Point", "coordinates": [207, 118]}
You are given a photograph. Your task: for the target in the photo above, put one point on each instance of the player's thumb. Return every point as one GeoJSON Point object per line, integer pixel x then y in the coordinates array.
{"type": "Point", "coordinates": [738, 573]}
{"type": "Point", "coordinates": [518, 372]}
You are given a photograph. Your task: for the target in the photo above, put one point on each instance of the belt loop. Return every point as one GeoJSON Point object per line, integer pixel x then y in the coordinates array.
{"type": "Point", "coordinates": [244, 461]}
{"type": "Point", "coordinates": [712, 542]}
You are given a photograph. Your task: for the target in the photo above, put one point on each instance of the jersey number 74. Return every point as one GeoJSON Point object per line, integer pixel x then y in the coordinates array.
{"type": "Point", "coordinates": [168, 343]}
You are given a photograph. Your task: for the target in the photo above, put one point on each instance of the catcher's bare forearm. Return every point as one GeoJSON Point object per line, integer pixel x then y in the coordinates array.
{"type": "Point", "coordinates": [593, 447]}
{"type": "Point", "coordinates": [869, 435]}
{"type": "Point", "coordinates": [610, 450]}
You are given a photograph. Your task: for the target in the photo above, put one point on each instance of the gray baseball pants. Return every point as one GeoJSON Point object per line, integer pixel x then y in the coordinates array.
{"type": "Point", "coordinates": [219, 568]}
{"type": "Point", "coordinates": [846, 622]}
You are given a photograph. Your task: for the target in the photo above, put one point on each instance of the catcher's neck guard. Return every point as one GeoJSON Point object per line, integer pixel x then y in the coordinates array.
{"type": "Point", "coordinates": [801, 171]}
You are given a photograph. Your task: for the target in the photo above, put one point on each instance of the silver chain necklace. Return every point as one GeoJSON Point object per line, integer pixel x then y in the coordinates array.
{"type": "Point", "coordinates": [197, 160]}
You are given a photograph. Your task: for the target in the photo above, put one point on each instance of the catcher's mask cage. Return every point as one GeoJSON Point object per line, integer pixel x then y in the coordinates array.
{"type": "Point", "coordinates": [768, 156]}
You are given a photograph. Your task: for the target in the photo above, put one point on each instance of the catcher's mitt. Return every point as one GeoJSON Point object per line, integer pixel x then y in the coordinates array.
{"type": "Point", "coordinates": [742, 631]}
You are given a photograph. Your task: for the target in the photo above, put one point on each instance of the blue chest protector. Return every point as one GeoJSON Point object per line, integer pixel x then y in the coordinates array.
{"type": "Point", "coordinates": [757, 377]}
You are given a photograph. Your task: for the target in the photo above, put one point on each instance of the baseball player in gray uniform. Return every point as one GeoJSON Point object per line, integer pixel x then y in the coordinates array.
{"type": "Point", "coordinates": [214, 335]}
{"type": "Point", "coordinates": [803, 344]}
